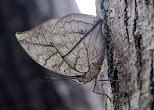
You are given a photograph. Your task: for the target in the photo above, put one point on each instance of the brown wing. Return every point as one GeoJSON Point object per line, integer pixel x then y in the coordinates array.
{"type": "Point", "coordinates": [68, 46]}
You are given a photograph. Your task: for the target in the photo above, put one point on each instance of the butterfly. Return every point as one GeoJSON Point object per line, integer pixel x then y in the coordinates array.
{"type": "Point", "coordinates": [72, 46]}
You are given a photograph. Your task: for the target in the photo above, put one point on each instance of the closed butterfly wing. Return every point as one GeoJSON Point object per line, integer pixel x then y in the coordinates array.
{"type": "Point", "coordinates": [71, 46]}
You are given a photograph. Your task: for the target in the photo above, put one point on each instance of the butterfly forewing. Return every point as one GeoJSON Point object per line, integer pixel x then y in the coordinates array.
{"type": "Point", "coordinates": [38, 44]}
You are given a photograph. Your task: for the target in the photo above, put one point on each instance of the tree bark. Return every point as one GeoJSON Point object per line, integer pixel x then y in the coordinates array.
{"type": "Point", "coordinates": [128, 26]}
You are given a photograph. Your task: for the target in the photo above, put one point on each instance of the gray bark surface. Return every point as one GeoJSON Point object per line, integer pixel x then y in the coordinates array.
{"type": "Point", "coordinates": [129, 30]}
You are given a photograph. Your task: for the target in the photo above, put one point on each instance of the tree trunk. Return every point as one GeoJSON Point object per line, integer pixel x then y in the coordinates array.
{"type": "Point", "coordinates": [128, 26]}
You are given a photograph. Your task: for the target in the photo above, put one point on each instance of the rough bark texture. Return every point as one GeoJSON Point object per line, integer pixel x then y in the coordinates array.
{"type": "Point", "coordinates": [129, 31]}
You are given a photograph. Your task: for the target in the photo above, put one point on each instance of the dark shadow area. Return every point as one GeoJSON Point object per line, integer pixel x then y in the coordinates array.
{"type": "Point", "coordinates": [21, 85]}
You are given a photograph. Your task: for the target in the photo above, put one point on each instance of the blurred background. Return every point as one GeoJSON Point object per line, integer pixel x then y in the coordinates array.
{"type": "Point", "coordinates": [21, 85]}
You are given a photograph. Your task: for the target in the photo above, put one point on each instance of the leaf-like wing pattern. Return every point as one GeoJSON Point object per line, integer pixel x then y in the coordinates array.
{"type": "Point", "coordinates": [37, 43]}
{"type": "Point", "coordinates": [71, 46]}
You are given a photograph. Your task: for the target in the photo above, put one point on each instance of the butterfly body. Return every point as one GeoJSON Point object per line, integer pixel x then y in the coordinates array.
{"type": "Point", "coordinates": [71, 46]}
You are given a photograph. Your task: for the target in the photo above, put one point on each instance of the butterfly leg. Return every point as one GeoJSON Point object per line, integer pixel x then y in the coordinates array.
{"type": "Point", "coordinates": [99, 92]}
{"type": "Point", "coordinates": [109, 80]}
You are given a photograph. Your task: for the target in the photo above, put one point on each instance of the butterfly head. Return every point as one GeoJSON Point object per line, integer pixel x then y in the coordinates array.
{"type": "Point", "coordinates": [90, 75]}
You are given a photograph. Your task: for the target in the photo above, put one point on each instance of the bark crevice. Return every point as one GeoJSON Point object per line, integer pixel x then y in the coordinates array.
{"type": "Point", "coordinates": [152, 78]}
{"type": "Point", "coordinates": [109, 44]}
{"type": "Point", "coordinates": [137, 41]}
{"type": "Point", "coordinates": [126, 20]}
{"type": "Point", "coordinates": [112, 70]}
